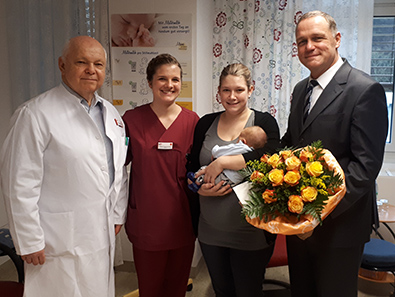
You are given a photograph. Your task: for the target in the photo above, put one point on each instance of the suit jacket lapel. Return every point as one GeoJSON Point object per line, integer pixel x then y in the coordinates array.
{"type": "Point", "coordinates": [330, 93]}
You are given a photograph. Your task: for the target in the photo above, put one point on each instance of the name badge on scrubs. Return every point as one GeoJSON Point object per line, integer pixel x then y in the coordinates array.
{"type": "Point", "coordinates": [165, 145]}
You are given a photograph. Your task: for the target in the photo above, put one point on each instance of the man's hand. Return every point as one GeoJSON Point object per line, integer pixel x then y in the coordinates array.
{"type": "Point", "coordinates": [35, 258]}
{"type": "Point", "coordinates": [304, 236]}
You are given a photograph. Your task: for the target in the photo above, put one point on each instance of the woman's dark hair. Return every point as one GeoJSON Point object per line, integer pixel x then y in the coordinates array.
{"type": "Point", "coordinates": [159, 60]}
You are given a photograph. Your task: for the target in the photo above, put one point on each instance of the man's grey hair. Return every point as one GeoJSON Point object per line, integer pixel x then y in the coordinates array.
{"type": "Point", "coordinates": [331, 21]}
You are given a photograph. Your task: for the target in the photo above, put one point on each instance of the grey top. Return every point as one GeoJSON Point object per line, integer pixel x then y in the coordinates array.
{"type": "Point", "coordinates": [221, 222]}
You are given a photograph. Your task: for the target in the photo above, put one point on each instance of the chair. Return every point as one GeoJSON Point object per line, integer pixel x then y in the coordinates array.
{"type": "Point", "coordinates": [378, 259]}
{"type": "Point", "coordinates": [279, 258]}
{"type": "Point", "coordinates": [11, 288]}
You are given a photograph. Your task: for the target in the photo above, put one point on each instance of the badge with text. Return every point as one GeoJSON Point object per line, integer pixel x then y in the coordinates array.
{"type": "Point", "coordinates": [165, 145]}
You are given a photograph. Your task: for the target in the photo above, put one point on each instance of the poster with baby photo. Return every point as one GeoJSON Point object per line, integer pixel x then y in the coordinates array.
{"type": "Point", "coordinates": [135, 40]}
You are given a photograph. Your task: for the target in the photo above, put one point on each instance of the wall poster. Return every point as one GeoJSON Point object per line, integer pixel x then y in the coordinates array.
{"type": "Point", "coordinates": [136, 39]}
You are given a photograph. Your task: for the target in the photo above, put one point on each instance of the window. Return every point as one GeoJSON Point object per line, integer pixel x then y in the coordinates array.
{"type": "Point", "coordinates": [90, 17]}
{"type": "Point", "coordinates": [382, 65]}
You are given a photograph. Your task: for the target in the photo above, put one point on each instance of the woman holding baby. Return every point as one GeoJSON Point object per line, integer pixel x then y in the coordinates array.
{"type": "Point", "coordinates": [236, 253]}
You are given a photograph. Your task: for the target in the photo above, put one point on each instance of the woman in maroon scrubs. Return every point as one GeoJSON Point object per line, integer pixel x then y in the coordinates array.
{"type": "Point", "coordinates": [159, 220]}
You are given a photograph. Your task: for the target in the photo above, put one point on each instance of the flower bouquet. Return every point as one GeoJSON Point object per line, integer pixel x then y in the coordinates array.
{"type": "Point", "coordinates": [292, 191]}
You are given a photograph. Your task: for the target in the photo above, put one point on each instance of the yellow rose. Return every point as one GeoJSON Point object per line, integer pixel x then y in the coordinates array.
{"type": "Point", "coordinates": [293, 163]}
{"type": "Point", "coordinates": [292, 177]}
{"type": "Point", "coordinates": [309, 194]}
{"type": "Point", "coordinates": [314, 168]}
{"type": "Point", "coordinates": [295, 204]}
{"type": "Point", "coordinates": [285, 154]}
{"type": "Point", "coordinates": [257, 176]}
{"type": "Point", "coordinates": [268, 196]}
{"type": "Point", "coordinates": [276, 176]}
{"type": "Point", "coordinates": [305, 156]}
{"type": "Point", "coordinates": [274, 160]}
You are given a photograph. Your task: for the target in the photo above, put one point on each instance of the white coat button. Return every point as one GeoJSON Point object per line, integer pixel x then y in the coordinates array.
{"type": "Point", "coordinates": [97, 137]}
{"type": "Point", "coordinates": [103, 168]}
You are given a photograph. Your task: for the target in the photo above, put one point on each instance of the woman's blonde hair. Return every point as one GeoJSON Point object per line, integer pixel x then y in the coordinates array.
{"type": "Point", "coordinates": [237, 69]}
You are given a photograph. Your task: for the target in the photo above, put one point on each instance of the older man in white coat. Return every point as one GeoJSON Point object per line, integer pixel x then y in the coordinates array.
{"type": "Point", "coordinates": [63, 182]}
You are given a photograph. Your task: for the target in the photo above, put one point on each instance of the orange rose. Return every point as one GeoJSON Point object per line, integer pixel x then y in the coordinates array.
{"type": "Point", "coordinates": [305, 156]}
{"type": "Point", "coordinates": [276, 176]}
{"type": "Point", "coordinates": [292, 177]}
{"type": "Point", "coordinates": [269, 196]}
{"type": "Point", "coordinates": [314, 168]}
{"type": "Point", "coordinates": [257, 176]}
{"type": "Point", "coordinates": [295, 204]}
{"type": "Point", "coordinates": [285, 154]}
{"type": "Point", "coordinates": [293, 163]}
{"type": "Point", "coordinates": [264, 158]}
{"type": "Point", "coordinates": [309, 194]}
{"type": "Point", "coordinates": [274, 160]}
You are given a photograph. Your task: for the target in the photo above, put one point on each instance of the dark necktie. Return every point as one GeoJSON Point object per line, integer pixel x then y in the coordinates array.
{"type": "Point", "coordinates": [307, 99]}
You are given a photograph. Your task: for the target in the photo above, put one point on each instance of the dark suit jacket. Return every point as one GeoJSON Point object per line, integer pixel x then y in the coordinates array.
{"type": "Point", "coordinates": [350, 117]}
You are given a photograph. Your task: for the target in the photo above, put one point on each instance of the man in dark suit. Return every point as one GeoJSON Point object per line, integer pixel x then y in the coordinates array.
{"type": "Point", "coordinates": [347, 111]}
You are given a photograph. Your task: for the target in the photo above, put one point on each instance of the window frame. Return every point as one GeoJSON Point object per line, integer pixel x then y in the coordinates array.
{"type": "Point", "coordinates": [385, 8]}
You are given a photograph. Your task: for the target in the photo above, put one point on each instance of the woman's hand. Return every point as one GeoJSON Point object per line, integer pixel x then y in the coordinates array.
{"type": "Point", "coordinates": [117, 229]}
{"type": "Point", "coordinates": [212, 171]}
{"type": "Point", "coordinates": [211, 189]}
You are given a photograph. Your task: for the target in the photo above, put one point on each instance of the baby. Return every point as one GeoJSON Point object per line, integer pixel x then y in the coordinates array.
{"type": "Point", "coordinates": [132, 30]}
{"type": "Point", "coordinates": [250, 138]}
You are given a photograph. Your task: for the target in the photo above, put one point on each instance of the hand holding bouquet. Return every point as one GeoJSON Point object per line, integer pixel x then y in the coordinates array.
{"type": "Point", "coordinates": [291, 192]}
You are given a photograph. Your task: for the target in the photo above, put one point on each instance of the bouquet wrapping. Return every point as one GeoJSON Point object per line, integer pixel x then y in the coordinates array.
{"type": "Point", "coordinates": [293, 191]}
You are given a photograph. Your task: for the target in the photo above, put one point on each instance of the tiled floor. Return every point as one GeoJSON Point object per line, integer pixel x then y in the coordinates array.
{"type": "Point", "coordinates": [126, 282]}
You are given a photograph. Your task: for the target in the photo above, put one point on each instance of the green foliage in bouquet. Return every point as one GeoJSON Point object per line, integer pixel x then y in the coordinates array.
{"type": "Point", "coordinates": [292, 182]}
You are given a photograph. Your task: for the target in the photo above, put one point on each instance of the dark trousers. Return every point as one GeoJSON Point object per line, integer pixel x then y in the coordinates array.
{"type": "Point", "coordinates": [163, 273]}
{"type": "Point", "coordinates": [236, 273]}
{"type": "Point", "coordinates": [317, 270]}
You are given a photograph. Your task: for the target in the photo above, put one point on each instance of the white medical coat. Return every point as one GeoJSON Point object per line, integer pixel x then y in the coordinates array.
{"type": "Point", "coordinates": [55, 182]}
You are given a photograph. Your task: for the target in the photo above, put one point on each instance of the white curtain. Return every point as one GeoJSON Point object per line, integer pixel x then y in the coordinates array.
{"type": "Point", "coordinates": [36, 33]}
{"type": "Point", "coordinates": [260, 34]}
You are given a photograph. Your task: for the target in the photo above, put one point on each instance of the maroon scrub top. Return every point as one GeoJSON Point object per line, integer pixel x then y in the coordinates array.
{"type": "Point", "coordinates": [158, 212]}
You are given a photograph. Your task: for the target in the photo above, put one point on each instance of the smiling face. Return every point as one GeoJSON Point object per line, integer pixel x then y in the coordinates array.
{"type": "Point", "coordinates": [317, 45]}
{"type": "Point", "coordinates": [234, 93]}
{"type": "Point", "coordinates": [166, 83]}
{"type": "Point", "coordinates": [83, 66]}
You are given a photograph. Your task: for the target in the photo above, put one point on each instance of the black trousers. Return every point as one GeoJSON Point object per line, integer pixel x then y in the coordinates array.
{"type": "Point", "coordinates": [236, 273]}
{"type": "Point", "coordinates": [317, 270]}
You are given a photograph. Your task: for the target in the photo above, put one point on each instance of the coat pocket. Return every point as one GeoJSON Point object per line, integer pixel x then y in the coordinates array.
{"type": "Point", "coordinates": [58, 232]}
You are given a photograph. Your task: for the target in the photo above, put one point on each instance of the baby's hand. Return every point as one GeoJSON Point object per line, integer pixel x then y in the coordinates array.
{"type": "Point", "coordinates": [143, 38]}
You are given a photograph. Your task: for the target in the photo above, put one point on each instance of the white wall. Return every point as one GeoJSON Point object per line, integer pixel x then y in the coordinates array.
{"type": "Point", "coordinates": [384, 7]}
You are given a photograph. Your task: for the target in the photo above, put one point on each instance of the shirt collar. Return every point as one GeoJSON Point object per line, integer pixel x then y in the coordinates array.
{"type": "Point", "coordinates": [327, 76]}
{"type": "Point", "coordinates": [95, 100]}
